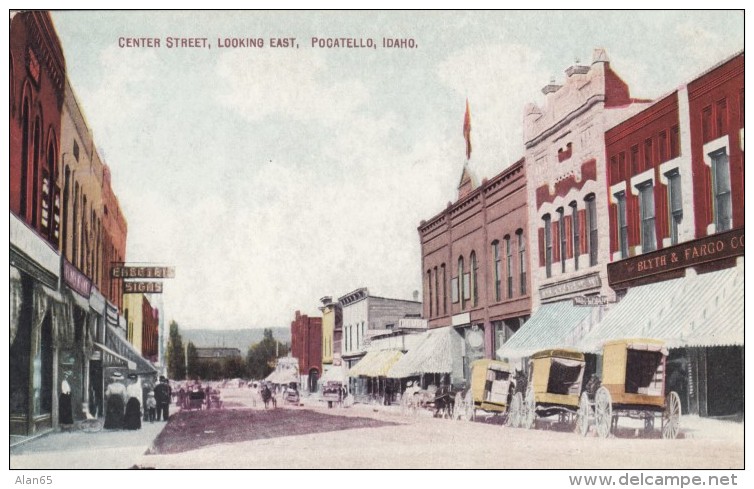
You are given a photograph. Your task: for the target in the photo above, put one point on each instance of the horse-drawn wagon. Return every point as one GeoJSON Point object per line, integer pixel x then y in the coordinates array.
{"type": "Point", "coordinates": [553, 387]}
{"type": "Point", "coordinates": [491, 390]}
{"type": "Point", "coordinates": [632, 385]}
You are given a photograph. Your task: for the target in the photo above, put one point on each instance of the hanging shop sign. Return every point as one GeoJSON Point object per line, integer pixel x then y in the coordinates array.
{"type": "Point", "coordinates": [76, 280]}
{"type": "Point", "coordinates": [129, 271]}
{"type": "Point", "coordinates": [142, 287]}
{"type": "Point", "coordinates": [590, 300]}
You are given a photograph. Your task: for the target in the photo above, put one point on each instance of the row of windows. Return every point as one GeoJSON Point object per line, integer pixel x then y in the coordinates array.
{"type": "Point", "coordinates": [562, 236]}
{"type": "Point", "coordinates": [722, 206]}
{"type": "Point", "coordinates": [464, 286]}
{"type": "Point", "coordinates": [715, 118]}
{"type": "Point", "coordinates": [353, 336]}
{"type": "Point", "coordinates": [663, 147]}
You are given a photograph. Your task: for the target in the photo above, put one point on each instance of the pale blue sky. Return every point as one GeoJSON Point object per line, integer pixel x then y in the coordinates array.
{"type": "Point", "coordinates": [272, 177]}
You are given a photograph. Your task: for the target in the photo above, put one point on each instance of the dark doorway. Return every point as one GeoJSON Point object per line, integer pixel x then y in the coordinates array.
{"type": "Point", "coordinates": [725, 380]}
{"type": "Point", "coordinates": [313, 380]}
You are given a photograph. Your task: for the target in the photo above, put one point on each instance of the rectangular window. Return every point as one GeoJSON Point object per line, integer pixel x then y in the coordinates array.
{"type": "Point", "coordinates": [675, 204]}
{"type": "Point", "coordinates": [591, 215]}
{"type": "Point", "coordinates": [498, 264]}
{"type": "Point", "coordinates": [575, 235]}
{"type": "Point", "coordinates": [548, 246]}
{"type": "Point", "coordinates": [509, 266]}
{"type": "Point", "coordinates": [675, 142]}
{"type": "Point", "coordinates": [721, 191]}
{"type": "Point", "coordinates": [647, 207]}
{"type": "Point", "coordinates": [522, 261]}
{"type": "Point", "coordinates": [563, 240]}
{"type": "Point", "coordinates": [663, 146]}
{"type": "Point", "coordinates": [620, 197]}
{"type": "Point", "coordinates": [466, 286]}
{"type": "Point", "coordinates": [454, 290]}
{"type": "Point", "coordinates": [622, 165]}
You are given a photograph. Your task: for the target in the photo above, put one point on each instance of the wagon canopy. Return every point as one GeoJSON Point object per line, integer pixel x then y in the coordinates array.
{"type": "Point", "coordinates": [696, 310]}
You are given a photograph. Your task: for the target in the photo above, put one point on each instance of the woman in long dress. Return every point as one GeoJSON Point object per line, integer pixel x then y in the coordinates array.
{"type": "Point", "coordinates": [65, 406]}
{"type": "Point", "coordinates": [115, 403]}
{"type": "Point", "coordinates": [132, 420]}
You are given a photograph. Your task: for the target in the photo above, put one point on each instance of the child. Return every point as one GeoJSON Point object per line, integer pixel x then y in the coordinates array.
{"type": "Point", "coordinates": [151, 406]}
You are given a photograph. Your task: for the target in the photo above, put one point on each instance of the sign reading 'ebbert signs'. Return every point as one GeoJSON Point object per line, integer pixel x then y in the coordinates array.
{"type": "Point", "coordinates": [127, 271]}
{"type": "Point", "coordinates": [142, 287]}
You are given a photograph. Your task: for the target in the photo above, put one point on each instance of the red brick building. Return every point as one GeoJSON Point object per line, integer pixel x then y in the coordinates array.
{"type": "Point", "coordinates": [150, 331]}
{"type": "Point", "coordinates": [37, 328]}
{"type": "Point", "coordinates": [676, 192]}
{"type": "Point", "coordinates": [306, 346]}
{"type": "Point", "coordinates": [475, 262]}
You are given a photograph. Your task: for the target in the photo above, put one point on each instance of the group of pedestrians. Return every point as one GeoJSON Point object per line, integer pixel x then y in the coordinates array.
{"type": "Point", "coordinates": [128, 402]}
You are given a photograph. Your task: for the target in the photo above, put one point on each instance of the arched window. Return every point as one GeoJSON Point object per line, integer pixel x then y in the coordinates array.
{"type": "Point", "coordinates": [591, 218]}
{"type": "Point", "coordinates": [575, 234]}
{"type": "Point", "coordinates": [548, 244]}
{"type": "Point", "coordinates": [35, 190]}
{"type": "Point", "coordinates": [437, 293]}
{"type": "Point", "coordinates": [498, 272]}
{"type": "Point", "coordinates": [562, 239]}
{"type": "Point", "coordinates": [461, 286]}
{"type": "Point", "coordinates": [66, 197]}
{"type": "Point", "coordinates": [444, 290]}
{"type": "Point", "coordinates": [429, 290]}
{"type": "Point", "coordinates": [508, 266]}
{"type": "Point", "coordinates": [474, 288]}
{"type": "Point", "coordinates": [75, 244]}
{"type": "Point", "coordinates": [25, 163]}
{"type": "Point", "coordinates": [522, 259]}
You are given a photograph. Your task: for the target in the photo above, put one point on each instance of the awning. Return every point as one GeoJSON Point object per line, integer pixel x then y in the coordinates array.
{"type": "Point", "coordinates": [376, 363]}
{"type": "Point", "coordinates": [126, 350]}
{"type": "Point", "coordinates": [556, 325]}
{"type": "Point", "coordinates": [283, 376]}
{"type": "Point", "coordinates": [696, 310]}
{"type": "Point", "coordinates": [440, 352]}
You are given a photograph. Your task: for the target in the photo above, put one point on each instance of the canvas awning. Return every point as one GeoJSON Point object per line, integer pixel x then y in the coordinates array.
{"type": "Point", "coordinates": [283, 376]}
{"type": "Point", "coordinates": [439, 352]}
{"type": "Point", "coordinates": [334, 374]}
{"type": "Point", "coordinates": [556, 325]}
{"type": "Point", "coordinates": [696, 310]}
{"type": "Point", "coordinates": [376, 363]}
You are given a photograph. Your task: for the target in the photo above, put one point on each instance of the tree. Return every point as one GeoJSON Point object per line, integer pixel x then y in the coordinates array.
{"type": "Point", "coordinates": [192, 362]}
{"type": "Point", "coordinates": [260, 359]}
{"type": "Point", "coordinates": [176, 355]}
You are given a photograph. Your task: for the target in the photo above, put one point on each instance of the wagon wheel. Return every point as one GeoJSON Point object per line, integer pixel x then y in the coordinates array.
{"type": "Point", "coordinates": [671, 417]}
{"type": "Point", "coordinates": [529, 411]}
{"type": "Point", "coordinates": [582, 417]}
{"type": "Point", "coordinates": [603, 412]}
{"type": "Point", "coordinates": [514, 411]}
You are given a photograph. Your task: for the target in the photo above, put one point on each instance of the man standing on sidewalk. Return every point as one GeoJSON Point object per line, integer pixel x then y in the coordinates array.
{"type": "Point", "coordinates": [162, 395]}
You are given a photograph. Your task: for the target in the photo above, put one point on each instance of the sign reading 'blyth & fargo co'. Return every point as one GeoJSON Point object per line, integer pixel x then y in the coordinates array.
{"type": "Point", "coordinates": [142, 287]}
{"type": "Point", "coordinates": [126, 271]}
{"type": "Point", "coordinates": [704, 250]}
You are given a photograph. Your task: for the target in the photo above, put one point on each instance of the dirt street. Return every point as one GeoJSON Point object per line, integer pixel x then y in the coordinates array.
{"type": "Point", "coordinates": [363, 436]}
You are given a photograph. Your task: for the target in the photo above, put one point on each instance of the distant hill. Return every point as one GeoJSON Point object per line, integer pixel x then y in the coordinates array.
{"type": "Point", "coordinates": [231, 338]}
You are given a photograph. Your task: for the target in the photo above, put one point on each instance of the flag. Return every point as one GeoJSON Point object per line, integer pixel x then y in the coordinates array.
{"type": "Point", "coordinates": [467, 130]}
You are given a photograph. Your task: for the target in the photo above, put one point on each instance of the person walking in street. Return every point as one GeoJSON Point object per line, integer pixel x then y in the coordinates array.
{"type": "Point", "coordinates": [115, 402]}
{"type": "Point", "coordinates": [132, 419]}
{"type": "Point", "coordinates": [162, 395]}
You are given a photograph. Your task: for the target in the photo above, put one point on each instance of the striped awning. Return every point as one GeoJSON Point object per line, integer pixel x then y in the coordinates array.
{"type": "Point", "coordinates": [376, 363]}
{"type": "Point", "coordinates": [556, 325]}
{"type": "Point", "coordinates": [439, 352]}
{"type": "Point", "coordinates": [696, 310]}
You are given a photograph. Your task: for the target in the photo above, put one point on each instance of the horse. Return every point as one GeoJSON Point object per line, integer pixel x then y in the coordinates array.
{"type": "Point", "coordinates": [268, 397]}
{"type": "Point", "coordinates": [444, 402]}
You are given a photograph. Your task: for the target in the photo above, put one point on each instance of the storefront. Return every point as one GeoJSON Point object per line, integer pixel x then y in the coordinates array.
{"type": "Point", "coordinates": [438, 355]}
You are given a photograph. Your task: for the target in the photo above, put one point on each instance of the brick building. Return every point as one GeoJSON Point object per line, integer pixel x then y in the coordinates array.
{"type": "Point", "coordinates": [306, 346]}
{"type": "Point", "coordinates": [475, 262]}
{"type": "Point", "coordinates": [568, 213]}
{"type": "Point", "coordinates": [676, 191]}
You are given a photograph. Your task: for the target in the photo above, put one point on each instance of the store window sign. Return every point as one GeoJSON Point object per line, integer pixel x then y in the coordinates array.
{"type": "Point", "coordinates": [76, 280]}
